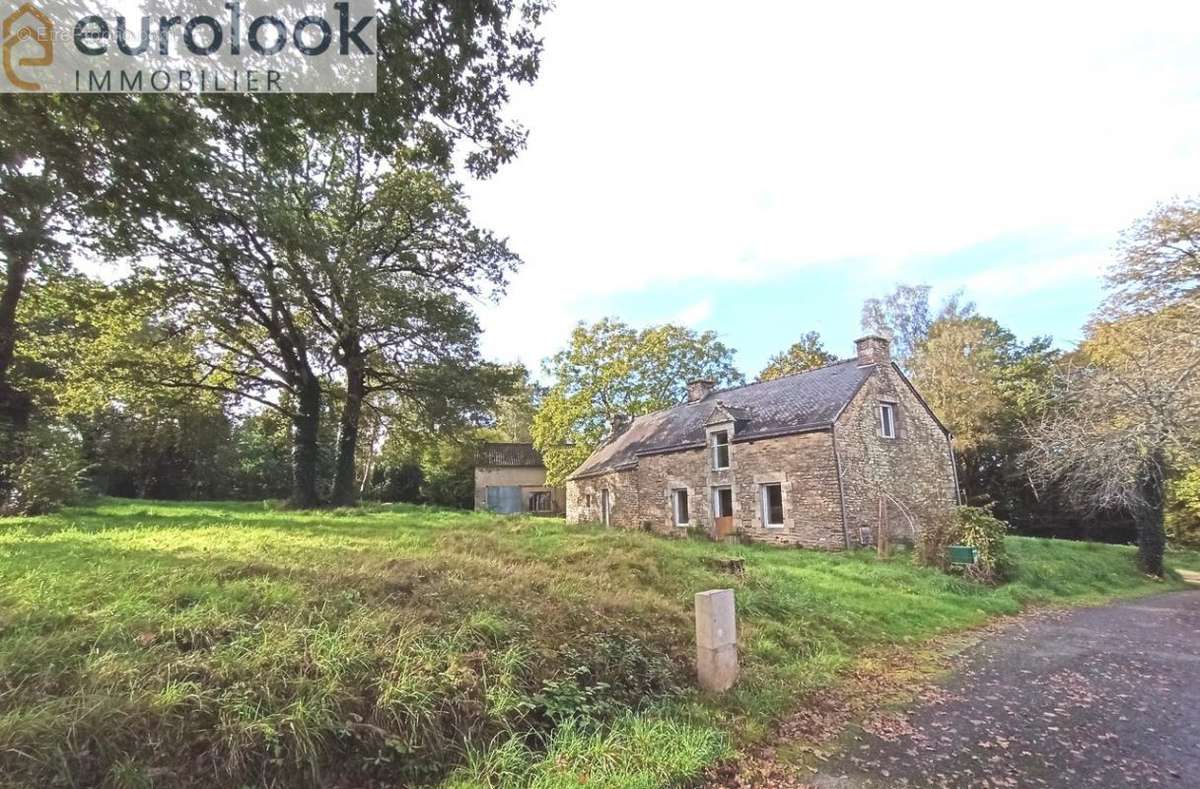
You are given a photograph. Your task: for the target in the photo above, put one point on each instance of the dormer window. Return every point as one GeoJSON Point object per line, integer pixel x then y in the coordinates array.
{"type": "Point", "coordinates": [887, 420]}
{"type": "Point", "coordinates": [720, 449]}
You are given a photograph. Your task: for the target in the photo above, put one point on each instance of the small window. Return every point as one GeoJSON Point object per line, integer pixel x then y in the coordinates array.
{"type": "Point", "coordinates": [772, 504]}
{"type": "Point", "coordinates": [887, 420]}
{"type": "Point", "coordinates": [720, 445]}
{"type": "Point", "coordinates": [539, 501]}
{"type": "Point", "coordinates": [679, 500]}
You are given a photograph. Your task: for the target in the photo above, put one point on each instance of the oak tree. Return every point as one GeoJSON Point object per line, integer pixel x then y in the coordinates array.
{"type": "Point", "coordinates": [805, 354]}
{"type": "Point", "coordinates": [385, 258]}
{"type": "Point", "coordinates": [611, 371]}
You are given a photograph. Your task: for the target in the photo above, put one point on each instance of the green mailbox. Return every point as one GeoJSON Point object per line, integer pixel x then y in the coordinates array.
{"type": "Point", "coordinates": [963, 554]}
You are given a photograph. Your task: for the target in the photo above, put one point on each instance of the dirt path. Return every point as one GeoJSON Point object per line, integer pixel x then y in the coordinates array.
{"type": "Point", "coordinates": [1098, 697]}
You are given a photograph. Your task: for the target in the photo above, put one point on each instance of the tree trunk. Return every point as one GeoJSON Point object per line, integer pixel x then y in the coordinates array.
{"type": "Point", "coordinates": [306, 425]}
{"type": "Point", "coordinates": [1151, 534]}
{"type": "Point", "coordinates": [345, 491]}
{"type": "Point", "coordinates": [14, 405]}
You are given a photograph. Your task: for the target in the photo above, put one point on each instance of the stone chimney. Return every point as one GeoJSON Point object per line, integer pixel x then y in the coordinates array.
{"type": "Point", "coordinates": [620, 423]}
{"type": "Point", "coordinates": [699, 389]}
{"type": "Point", "coordinates": [873, 350]}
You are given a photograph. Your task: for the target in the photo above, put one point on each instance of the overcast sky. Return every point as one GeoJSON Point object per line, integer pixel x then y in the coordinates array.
{"type": "Point", "coordinates": [759, 168]}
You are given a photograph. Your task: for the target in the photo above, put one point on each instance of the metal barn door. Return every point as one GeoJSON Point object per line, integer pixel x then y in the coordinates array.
{"type": "Point", "coordinates": [504, 499]}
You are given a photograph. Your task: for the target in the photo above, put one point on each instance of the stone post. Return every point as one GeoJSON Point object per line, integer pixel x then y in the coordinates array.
{"type": "Point", "coordinates": [716, 640]}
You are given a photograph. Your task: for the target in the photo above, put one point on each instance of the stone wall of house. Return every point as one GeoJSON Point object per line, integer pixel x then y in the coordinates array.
{"type": "Point", "coordinates": [658, 475]}
{"type": "Point", "coordinates": [584, 497]}
{"type": "Point", "coordinates": [802, 464]}
{"type": "Point", "coordinates": [911, 476]}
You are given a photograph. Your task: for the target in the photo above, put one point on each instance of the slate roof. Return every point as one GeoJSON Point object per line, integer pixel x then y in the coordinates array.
{"type": "Point", "coordinates": [515, 455]}
{"type": "Point", "coordinates": [793, 404]}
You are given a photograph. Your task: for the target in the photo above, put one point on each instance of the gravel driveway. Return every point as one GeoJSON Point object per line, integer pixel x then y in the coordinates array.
{"type": "Point", "coordinates": [1098, 697]}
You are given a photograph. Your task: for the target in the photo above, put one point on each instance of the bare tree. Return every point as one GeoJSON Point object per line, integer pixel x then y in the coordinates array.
{"type": "Point", "coordinates": [1125, 413]}
{"type": "Point", "coordinates": [1159, 259]}
{"type": "Point", "coordinates": [1122, 417]}
{"type": "Point", "coordinates": [905, 316]}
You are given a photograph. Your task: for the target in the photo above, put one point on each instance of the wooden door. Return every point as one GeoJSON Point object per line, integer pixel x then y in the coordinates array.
{"type": "Point", "coordinates": [722, 513]}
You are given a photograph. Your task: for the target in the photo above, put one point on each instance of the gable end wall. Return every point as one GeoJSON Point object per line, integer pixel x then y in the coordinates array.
{"type": "Point", "coordinates": [912, 475]}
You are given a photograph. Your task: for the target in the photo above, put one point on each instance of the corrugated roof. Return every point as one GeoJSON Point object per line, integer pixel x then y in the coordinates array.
{"type": "Point", "coordinates": [792, 404]}
{"type": "Point", "coordinates": [522, 455]}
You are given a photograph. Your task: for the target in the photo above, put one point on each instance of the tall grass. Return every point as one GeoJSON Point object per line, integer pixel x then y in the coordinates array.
{"type": "Point", "coordinates": [217, 644]}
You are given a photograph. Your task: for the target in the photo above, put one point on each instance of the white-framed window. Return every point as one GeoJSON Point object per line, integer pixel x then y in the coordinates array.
{"type": "Point", "coordinates": [887, 420]}
{"type": "Point", "coordinates": [723, 502]}
{"type": "Point", "coordinates": [679, 505]}
{"type": "Point", "coordinates": [720, 449]}
{"type": "Point", "coordinates": [772, 504]}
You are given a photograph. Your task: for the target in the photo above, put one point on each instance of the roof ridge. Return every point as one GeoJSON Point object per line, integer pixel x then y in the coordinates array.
{"type": "Point", "coordinates": [780, 378]}
{"type": "Point", "coordinates": [664, 409]}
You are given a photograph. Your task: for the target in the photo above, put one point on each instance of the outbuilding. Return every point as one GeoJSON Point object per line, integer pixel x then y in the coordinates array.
{"type": "Point", "coordinates": [511, 479]}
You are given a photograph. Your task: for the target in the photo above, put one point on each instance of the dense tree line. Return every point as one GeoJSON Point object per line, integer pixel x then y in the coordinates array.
{"type": "Point", "coordinates": [85, 352]}
{"type": "Point", "coordinates": [304, 256]}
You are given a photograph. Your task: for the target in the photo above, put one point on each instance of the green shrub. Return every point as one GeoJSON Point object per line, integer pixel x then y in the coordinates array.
{"type": "Point", "coordinates": [972, 526]}
{"type": "Point", "coordinates": [937, 534]}
{"type": "Point", "coordinates": [608, 673]}
{"type": "Point", "coordinates": [43, 472]}
{"type": "Point", "coordinates": [1183, 508]}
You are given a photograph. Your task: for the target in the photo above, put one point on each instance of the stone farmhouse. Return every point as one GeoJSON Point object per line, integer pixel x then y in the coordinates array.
{"type": "Point", "coordinates": [820, 459]}
{"type": "Point", "coordinates": [511, 479]}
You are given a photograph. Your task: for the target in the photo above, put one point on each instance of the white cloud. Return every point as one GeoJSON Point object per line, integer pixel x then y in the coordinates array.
{"type": "Point", "coordinates": [694, 314]}
{"type": "Point", "coordinates": [672, 142]}
{"type": "Point", "coordinates": [1012, 281]}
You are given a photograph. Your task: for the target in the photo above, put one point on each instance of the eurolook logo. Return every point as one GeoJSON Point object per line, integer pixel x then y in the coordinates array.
{"type": "Point", "coordinates": [26, 28]}
{"type": "Point", "coordinates": [191, 46]}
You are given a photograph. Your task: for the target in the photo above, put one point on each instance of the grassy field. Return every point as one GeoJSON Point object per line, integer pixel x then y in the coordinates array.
{"type": "Point", "coordinates": [148, 643]}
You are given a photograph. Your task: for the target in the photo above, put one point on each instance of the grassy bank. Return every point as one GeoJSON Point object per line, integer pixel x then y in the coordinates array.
{"type": "Point", "coordinates": [148, 643]}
